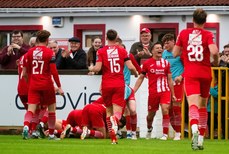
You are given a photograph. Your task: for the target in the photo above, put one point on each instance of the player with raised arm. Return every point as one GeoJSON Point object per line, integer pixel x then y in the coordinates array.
{"type": "Point", "coordinates": [40, 64]}
{"type": "Point", "coordinates": [111, 59]}
{"type": "Point", "coordinates": [196, 45]}
{"type": "Point", "coordinates": [160, 86]}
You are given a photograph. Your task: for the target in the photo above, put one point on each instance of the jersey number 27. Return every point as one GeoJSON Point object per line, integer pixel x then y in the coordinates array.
{"type": "Point", "coordinates": [37, 67]}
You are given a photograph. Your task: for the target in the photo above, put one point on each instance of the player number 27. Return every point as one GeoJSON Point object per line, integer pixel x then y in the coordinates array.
{"type": "Point", "coordinates": [38, 67]}
{"type": "Point", "coordinates": [196, 53]}
{"type": "Point", "coordinates": [115, 67]}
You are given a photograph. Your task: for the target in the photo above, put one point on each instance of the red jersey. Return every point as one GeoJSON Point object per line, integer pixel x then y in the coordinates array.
{"type": "Point", "coordinates": [195, 52]}
{"type": "Point", "coordinates": [22, 84]}
{"type": "Point", "coordinates": [40, 62]}
{"type": "Point", "coordinates": [94, 115]}
{"type": "Point", "coordinates": [157, 71]}
{"type": "Point", "coordinates": [113, 59]}
{"type": "Point", "coordinates": [75, 118]}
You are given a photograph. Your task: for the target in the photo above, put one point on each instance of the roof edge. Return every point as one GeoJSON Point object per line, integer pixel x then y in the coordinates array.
{"type": "Point", "coordinates": [109, 11]}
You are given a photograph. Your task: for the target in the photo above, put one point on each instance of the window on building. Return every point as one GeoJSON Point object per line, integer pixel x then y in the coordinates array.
{"type": "Point", "coordinates": [86, 32]}
{"type": "Point", "coordinates": [87, 38]}
{"type": "Point", "coordinates": [158, 30]}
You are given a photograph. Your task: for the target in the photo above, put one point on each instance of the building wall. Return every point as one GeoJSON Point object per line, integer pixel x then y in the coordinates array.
{"type": "Point", "coordinates": [128, 27]}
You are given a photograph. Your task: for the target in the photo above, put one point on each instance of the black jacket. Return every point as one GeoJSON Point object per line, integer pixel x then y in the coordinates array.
{"type": "Point", "coordinates": [77, 60]}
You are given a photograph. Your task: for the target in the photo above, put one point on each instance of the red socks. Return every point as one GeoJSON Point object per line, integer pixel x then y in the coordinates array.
{"type": "Point", "coordinates": [51, 122]}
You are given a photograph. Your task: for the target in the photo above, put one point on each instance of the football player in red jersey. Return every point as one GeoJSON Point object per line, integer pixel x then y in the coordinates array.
{"type": "Point", "coordinates": [195, 45]}
{"type": "Point", "coordinates": [40, 64]}
{"type": "Point", "coordinates": [111, 59]}
{"type": "Point", "coordinates": [160, 88]}
{"type": "Point", "coordinates": [93, 120]}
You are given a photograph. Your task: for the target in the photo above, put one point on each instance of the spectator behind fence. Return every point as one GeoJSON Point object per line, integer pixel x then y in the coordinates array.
{"type": "Point", "coordinates": [33, 42]}
{"type": "Point", "coordinates": [214, 94]}
{"type": "Point", "coordinates": [53, 45]}
{"type": "Point", "coordinates": [76, 58]}
{"type": "Point", "coordinates": [91, 54]}
{"type": "Point", "coordinates": [142, 49]}
{"type": "Point", "coordinates": [224, 58]}
{"type": "Point", "coordinates": [14, 51]}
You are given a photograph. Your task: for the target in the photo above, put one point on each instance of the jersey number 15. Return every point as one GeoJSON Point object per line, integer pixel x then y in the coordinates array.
{"type": "Point", "coordinates": [114, 66]}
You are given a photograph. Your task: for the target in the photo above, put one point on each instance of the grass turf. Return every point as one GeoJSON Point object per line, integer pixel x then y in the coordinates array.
{"type": "Point", "coordinates": [16, 145]}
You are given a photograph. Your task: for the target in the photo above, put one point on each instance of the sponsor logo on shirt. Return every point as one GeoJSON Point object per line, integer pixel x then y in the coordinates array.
{"type": "Point", "coordinates": [112, 53]}
{"type": "Point", "coordinates": [195, 38]}
{"type": "Point", "coordinates": [157, 71]}
{"type": "Point", "coordinates": [37, 54]}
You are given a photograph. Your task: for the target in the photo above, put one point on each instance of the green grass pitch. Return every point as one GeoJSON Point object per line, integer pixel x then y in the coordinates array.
{"type": "Point", "coordinates": [14, 144]}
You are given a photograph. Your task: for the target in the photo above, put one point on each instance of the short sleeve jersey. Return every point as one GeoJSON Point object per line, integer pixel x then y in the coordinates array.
{"type": "Point", "coordinates": [195, 52]}
{"type": "Point", "coordinates": [38, 60]}
{"type": "Point", "coordinates": [113, 59]}
{"type": "Point", "coordinates": [157, 71]}
{"type": "Point", "coordinates": [176, 65]}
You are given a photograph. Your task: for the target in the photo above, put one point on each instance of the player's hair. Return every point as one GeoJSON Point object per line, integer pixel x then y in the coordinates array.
{"type": "Point", "coordinates": [112, 34]}
{"type": "Point", "coordinates": [17, 32]}
{"type": "Point", "coordinates": [119, 40]}
{"type": "Point", "coordinates": [226, 46]}
{"type": "Point", "coordinates": [43, 35]}
{"type": "Point", "coordinates": [158, 42]}
{"type": "Point", "coordinates": [199, 16]}
{"type": "Point", "coordinates": [168, 37]}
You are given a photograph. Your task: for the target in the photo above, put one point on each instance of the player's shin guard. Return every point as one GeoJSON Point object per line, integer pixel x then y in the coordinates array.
{"type": "Point", "coordinates": [128, 123]}
{"type": "Point", "coordinates": [35, 120]}
{"type": "Point", "coordinates": [194, 118]}
{"type": "Point", "coordinates": [76, 130]}
{"type": "Point", "coordinates": [165, 124]}
{"type": "Point", "coordinates": [177, 118]}
{"type": "Point", "coordinates": [110, 130]}
{"type": "Point", "coordinates": [202, 120]}
{"type": "Point", "coordinates": [28, 118]}
{"type": "Point", "coordinates": [96, 134]}
{"type": "Point", "coordinates": [172, 118]}
{"type": "Point", "coordinates": [51, 122]}
{"type": "Point", "coordinates": [43, 116]}
{"type": "Point", "coordinates": [133, 122]}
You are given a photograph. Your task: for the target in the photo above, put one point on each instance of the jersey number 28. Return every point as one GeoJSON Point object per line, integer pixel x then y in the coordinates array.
{"type": "Point", "coordinates": [196, 53]}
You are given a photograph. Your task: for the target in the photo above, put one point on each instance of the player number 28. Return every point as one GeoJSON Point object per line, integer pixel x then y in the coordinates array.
{"type": "Point", "coordinates": [196, 53]}
{"type": "Point", "coordinates": [38, 67]}
{"type": "Point", "coordinates": [115, 67]}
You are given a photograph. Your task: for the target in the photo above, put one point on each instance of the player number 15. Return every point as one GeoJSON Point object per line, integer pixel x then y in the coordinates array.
{"type": "Point", "coordinates": [114, 66]}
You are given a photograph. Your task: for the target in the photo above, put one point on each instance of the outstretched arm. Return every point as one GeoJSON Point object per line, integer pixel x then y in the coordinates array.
{"type": "Point", "coordinates": [138, 82]}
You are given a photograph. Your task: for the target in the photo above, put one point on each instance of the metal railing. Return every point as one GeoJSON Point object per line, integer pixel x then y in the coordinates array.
{"type": "Point", "coordinates": [223, 97]}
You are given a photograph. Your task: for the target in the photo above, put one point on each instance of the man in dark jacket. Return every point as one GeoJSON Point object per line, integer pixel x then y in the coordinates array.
{"type": "Point", "coordinates": [142, 50]}
{"type": "Point", "coordinates": [75, 58]}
